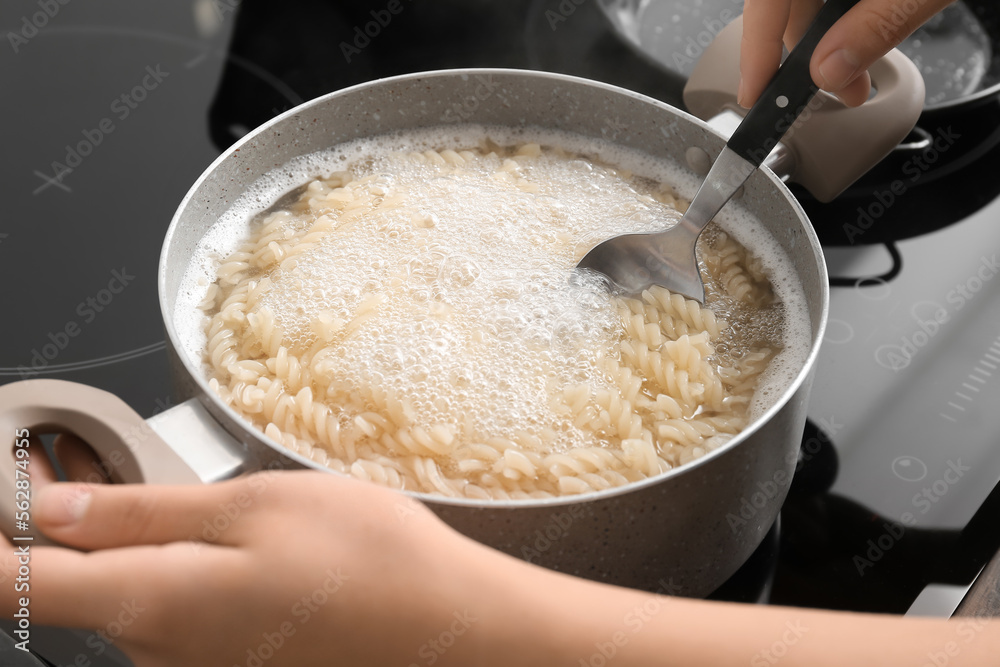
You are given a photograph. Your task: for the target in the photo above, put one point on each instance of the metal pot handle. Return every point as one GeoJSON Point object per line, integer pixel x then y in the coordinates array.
{"type": "Point", "coordinates": [832, 144]}
{"type": "Point", "coordinates": [125, 442]}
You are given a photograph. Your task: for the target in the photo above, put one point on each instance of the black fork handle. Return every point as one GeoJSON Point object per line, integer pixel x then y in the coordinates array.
{"type": "Point", "coordinates": [788, 93]}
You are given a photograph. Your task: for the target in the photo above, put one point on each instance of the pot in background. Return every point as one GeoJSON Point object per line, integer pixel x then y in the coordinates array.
{"type": "Point", "coordinates": [686, 530]}
{"type": "Point", "coordinates": [933, 177]}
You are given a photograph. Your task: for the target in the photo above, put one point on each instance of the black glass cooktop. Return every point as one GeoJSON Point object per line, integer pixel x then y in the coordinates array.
{"type": "Point", "coordinates": [111, 112]}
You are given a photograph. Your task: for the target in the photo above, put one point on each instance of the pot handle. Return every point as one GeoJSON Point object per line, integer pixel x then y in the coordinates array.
{"type": "Point", "coordinates": [121, 438]}
{"type": "Point", "coordinates": [832, 144]}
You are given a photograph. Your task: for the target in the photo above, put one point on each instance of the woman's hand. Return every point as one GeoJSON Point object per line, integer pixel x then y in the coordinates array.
{"type": "Point", "coordinates": [290, 568]}
{"type": "Point", "coordinates": [306, 568]}
{"type": "Point", "coordinates": [842, 58]}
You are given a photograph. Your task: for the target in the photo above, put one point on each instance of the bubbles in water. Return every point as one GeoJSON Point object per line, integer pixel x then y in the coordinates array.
{"type": "Point", "coordinates": [953, 53]}
{"type": "Point", "coordinates": [481, 306]}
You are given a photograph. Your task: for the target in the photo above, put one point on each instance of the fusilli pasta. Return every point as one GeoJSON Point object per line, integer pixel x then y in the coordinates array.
{"type": "Point", "coordinates": [375, 368]}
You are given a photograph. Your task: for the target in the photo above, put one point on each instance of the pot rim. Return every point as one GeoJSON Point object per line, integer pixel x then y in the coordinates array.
{"type": "Point", "coordinates": [779, 187]}
{"type": "Point", "coordinates": [965, 101]}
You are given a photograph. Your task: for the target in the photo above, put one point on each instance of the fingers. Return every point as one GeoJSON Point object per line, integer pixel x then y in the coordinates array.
{"type": "Point", "coordinates": [147, 542]}
{"type": "Point", "coordinates": [800, 17]}
{"type": "Point", "coordinates": [862, 36]}
{"type": "Point", "coordinates": [88, 590]}
{"type": "Point", "coordinates": [764, 24]}
{"type": "Point", "coordinates": [106, 516]}
{"type": "Point", "coordinates": [856, 93]}
{"type": "Point", "coordinates": [842, 58]}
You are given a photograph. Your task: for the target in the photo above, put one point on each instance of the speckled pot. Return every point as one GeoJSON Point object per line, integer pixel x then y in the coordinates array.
{"type": "Point", "coordinates": [684, 531]}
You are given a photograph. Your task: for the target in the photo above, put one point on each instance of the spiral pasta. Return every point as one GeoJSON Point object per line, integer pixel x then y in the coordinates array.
{"type": "Point", "coordinates": [410, 322]}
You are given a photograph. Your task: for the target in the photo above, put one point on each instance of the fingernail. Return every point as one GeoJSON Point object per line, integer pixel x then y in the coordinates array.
{"type": "Point", "coordinates": [62, 505]}
{"type": "Point", "coordinates": [838, 69]}
{"type": "Point", "coordinates": [739, 94]}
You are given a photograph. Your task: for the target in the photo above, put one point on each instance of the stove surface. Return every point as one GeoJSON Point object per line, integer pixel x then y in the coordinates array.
{"type": "Point", "coordinates": [112, 112]}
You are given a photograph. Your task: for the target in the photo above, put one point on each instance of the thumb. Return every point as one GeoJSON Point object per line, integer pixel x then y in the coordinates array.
{"type": "Point", "coordinates": [106, 516]}
{"type": "Point", "coordinates": [863, 35]}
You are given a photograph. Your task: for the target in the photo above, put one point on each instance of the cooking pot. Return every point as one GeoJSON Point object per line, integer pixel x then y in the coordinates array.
{"type": "Point", "coordinates": [933, 177]}
{"type": "Point", "coordinates": [945, 167]}
{"type": "Point", "coordinates": [690, 527]}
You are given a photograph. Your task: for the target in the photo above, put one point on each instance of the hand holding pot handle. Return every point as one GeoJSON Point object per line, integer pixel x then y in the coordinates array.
{"type": "Point", "coordinates": [787, 94]}
{"type": "Point", "coordinates": [841, 59]}
{"type": "Point", "coordinates": [832, 145]}
{"type": "Point", "coordinates": [304, 568]}
{"type": "Point", "coordinates": [130, 450]}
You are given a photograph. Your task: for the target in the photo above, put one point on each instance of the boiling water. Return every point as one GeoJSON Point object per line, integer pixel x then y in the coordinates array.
{"type": "Point", "coordinates": [952, 52]}
{"type": "Point", "coordinates": [471, 261]}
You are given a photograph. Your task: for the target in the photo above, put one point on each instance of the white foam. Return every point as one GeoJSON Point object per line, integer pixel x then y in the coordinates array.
{"type": "Point", "coordinates": [235, 226]}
